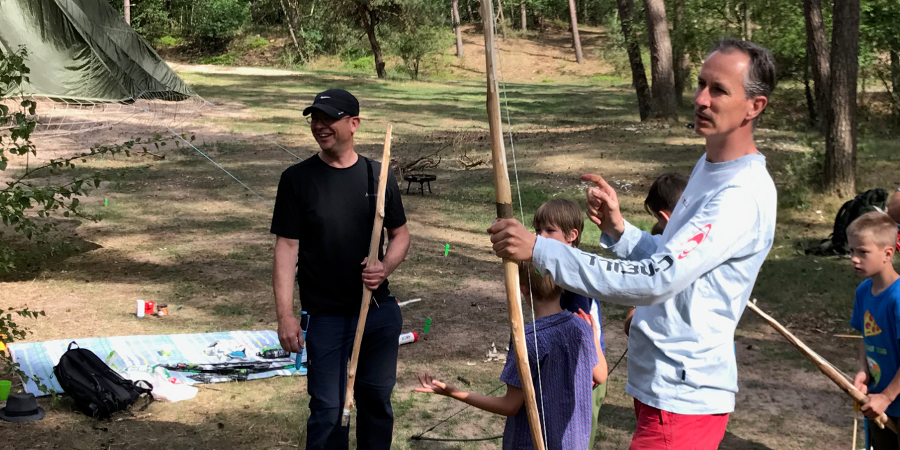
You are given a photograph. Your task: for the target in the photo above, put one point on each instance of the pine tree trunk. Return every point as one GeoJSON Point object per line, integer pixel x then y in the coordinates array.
{"type": "Point", "coordinates": [810, 99]}
{"type": "Point", "coordinates": [895, 84]}
{"type": "Point", "coordinates": [576, 40]}
{"type": "Point", "coordinates": [638, 74]}
{"type": "Point", "coordinates": [840, 142]}
{"type": "Point", "coordinates": [471, 15]}
{"type": "Point", "coordinates": [289, 19]}
{"type": "Point", "coordinates": [748, 24]}
{"type": "Point", "coordinates": [817, 46]}
{"type": "Point", "coordinates": [500, 19]}
{"type": "Point", "coordinates": [367, 16]}
{"type": "Point", "coordinates": [524, 16]}
{"type": "Point", "coordinates": [454, 14]}
{"type": "Point", "coordinates": [663, 87]}
{"type": "Point", "coordinates": [679, 59]}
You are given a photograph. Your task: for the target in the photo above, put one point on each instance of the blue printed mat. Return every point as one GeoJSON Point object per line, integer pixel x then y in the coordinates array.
{"type": "Point", "coordinates": [37, 359]}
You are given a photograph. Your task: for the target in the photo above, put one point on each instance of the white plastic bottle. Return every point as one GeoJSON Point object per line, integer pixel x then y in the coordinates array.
{"type": "Point", "coordinates": [409, 338]}
{"type": "Point", "coordinates": [140, 309]}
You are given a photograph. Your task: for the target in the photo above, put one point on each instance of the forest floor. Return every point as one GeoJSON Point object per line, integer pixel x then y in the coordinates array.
{"type": "Point", "coordinates": [182, 232]}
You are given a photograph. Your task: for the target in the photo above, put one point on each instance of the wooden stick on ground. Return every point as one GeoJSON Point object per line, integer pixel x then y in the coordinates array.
{"type": "Point", "coordinates": [367, 294]}
{"type": "Point", "coordinates": [823, 365]}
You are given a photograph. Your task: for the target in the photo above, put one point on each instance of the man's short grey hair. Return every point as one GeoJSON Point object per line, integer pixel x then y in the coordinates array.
{"type": "Point", "coordinates": [760, 77]}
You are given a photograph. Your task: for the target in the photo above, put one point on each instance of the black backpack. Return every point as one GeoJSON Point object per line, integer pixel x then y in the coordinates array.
{"type": "Point", "coordinates": [98, 390]}
{"type": "Point", "coordinates": [836, 244]}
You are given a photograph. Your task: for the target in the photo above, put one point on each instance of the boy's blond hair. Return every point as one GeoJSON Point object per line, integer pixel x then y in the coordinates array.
{"type": "Point", "coordinates": [563, 213]}
{"type": "Point", "coordinates": [878, 225]}
{"type": "Point", "coordinates": [543, 288]}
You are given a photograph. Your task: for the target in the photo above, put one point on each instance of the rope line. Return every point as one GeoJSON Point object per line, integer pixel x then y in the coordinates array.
{"type": "Point", "coordinates": [512, 147]}
{"type": "Point", "coordinates": [419, 437]}
{"type": "Point", "coordinates": [256, 132]}
{"type": "Point", "coordinates": [219, 166]}
{"type": "Point", "coordinates": [609, 374]}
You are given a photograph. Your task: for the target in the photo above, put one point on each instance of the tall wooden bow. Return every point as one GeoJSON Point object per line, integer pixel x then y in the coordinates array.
{"type": "Point", "coordinates": [505, 211]}
{"type": "Point", "coordinates": [367, 293]}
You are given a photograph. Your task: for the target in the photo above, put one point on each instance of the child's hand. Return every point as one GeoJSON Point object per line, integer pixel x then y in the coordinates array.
{"type": "Point", "coordinates": [432, 386]}
{"type": "Point", "coordinates": [878, 403]}
{"type": "Point", "coordinates": [861, 382]}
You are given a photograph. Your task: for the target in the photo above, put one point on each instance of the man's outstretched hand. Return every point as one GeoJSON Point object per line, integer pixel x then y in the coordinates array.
{"type": "Point", "coordinates": [603, 207]}
{"type": "Point", "coordinates": [512, 240]}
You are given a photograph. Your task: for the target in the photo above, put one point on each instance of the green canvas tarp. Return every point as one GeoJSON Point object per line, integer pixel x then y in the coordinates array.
{"type": "Point", "coordinates": [82, 50]}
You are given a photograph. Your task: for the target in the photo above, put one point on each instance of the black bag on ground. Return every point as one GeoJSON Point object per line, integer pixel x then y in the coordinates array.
{"type": "Point", "coordinates": [98, 390]}
{"type": "Point", "coordinates": [836, 244]}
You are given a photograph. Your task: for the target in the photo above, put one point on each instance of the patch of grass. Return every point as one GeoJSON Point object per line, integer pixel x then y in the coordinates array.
{"type": "Point", "coordinates": [605, 79]}
{"type": "Point", "coordinates": [228, 59]}
{"type": "Point", "coordinates": [255, 42]}
{"type": "Point", "coordinates": [365, 64]}
{"type": "Point", "coordinates": [229, 310]}
{"type": "Point", "coordinates": [169, 41]}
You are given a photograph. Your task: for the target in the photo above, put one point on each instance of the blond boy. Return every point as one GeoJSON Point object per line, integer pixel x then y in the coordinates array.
{"type": "Point", "coordinates": [876, 314]}
{"type": "Point", "coordinates": [562, 220]}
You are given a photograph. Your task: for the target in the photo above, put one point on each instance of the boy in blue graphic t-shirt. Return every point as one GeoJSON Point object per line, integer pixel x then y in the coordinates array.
{"type": "Point", "coordinates": [876, 314]}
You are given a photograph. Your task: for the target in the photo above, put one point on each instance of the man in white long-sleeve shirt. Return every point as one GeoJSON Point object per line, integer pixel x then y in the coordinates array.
{"type": "Point", "coordinates": [692, 283]}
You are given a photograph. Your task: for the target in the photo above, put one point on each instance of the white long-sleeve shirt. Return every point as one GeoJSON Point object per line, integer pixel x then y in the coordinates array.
{"type": "Point", "coordinates": [691, 284]}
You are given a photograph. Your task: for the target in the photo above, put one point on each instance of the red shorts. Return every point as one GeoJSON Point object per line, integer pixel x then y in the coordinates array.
{"type": "Point", "coordinates": [662, 430]}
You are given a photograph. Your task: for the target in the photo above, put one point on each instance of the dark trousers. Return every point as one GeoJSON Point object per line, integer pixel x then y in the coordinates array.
{"type": "Point", "coordinates": [883, 439]}
{"type": "Point", "coordinates": [329, 341]}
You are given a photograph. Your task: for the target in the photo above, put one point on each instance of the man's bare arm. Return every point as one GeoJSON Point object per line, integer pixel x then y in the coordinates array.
{"type": "Point", "coordinates": [284, 269]}
{"type": "Point", "coordinates": [398, 246]}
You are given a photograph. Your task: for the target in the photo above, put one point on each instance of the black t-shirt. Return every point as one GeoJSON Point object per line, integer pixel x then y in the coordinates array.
{"type": "Point", "coordinates": [329, 211]}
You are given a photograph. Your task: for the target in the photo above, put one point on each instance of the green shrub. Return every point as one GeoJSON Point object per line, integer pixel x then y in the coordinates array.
{"type": "Point", "coordinates": [253, 43]}
{"type": "Point", "coordinates": [799, 176]}
{"type": "Point", "coordinates": [218, 21]}
{"type": "Point", "coordinates": [364, 64]}
{"type": "Point", "coordinates": [169, 41]}
{"type": "Point", "coordinates": [150, 19]}
{"type": "Point", "coordinates": [418, 46]}
{"type": "Point", "coordinates": [228, 59]}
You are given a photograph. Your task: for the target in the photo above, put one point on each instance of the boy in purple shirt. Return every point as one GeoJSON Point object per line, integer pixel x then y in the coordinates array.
{"type": "Point", "coordinates": [562, 373]}
{"type": "Point", "coordinates": [562, 220]}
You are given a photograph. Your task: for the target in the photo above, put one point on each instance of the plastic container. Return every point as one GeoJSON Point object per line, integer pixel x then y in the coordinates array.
{"type": "Point", "coordinates": [409, 338]}
{"type": "Point", "coordinates": [148, 307]}
{"type": "Point", "coordinates": [162, 310]}
{"type": "Point", "coordinates": [5, 386]}
{"type": "Point", "coordinates": [141, 309]}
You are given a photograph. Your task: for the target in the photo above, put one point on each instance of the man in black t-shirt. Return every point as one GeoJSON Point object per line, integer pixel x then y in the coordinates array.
{"type": "Point", "coordinates": [323, 218]}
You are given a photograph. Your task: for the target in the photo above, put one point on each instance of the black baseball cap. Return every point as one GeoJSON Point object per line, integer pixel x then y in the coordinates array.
{"type": "Point", "coordinates": [337, 103]}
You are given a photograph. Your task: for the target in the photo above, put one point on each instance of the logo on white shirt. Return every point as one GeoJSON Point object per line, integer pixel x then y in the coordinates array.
{"type": "Point", "coordinates": [694, 241]}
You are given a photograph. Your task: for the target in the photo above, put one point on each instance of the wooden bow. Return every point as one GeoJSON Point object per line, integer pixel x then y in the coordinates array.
{"type": "Point", "coordinates": [505, 211]}
{"type": "Point", "coordinates": [823, 365]}
{"type": "Point", "coordinates": [367, 293]}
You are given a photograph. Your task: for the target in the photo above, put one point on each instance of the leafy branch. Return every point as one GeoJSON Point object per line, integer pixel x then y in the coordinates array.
{"type": "Point", "coordinates": [30, 200]}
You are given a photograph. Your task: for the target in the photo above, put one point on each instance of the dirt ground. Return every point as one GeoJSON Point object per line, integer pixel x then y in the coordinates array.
{"type": "Point", "coordinates": [182, 232]}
